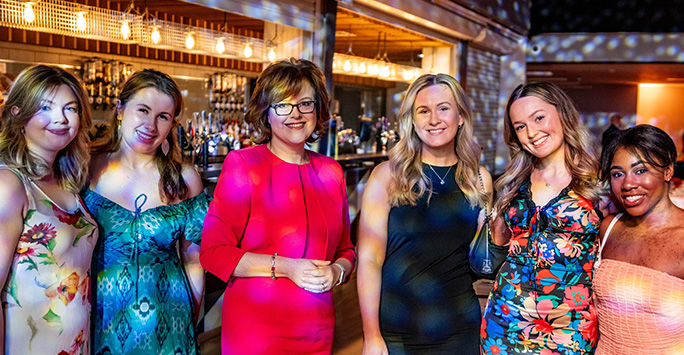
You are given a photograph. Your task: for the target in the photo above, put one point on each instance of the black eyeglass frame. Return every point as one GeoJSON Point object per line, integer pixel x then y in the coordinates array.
{"type": "Point", "coordinates": [292, 106]}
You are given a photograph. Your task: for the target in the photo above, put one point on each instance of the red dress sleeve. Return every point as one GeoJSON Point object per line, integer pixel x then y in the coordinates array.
{"type": "Point", "coordinates": [226, 219]}
{"type": "Point", "coordinates": [345, 248]}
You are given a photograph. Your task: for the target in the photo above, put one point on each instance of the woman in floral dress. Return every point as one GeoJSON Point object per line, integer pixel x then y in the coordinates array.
{"type": "Point", "coordinates": [47, 235]}
{"type": "Point", "coordinates": [541, 301]}
{"type": "Point", "coordinates": [150, 209]}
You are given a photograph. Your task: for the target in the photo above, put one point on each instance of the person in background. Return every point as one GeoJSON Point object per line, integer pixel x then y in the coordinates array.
{"type": "Point", "coordinates": [418, 216]}
{"type": "Point", "coordinates": [277, 230]}
{"type": "Point", "coordinates": [47, 234]}
{"type": "Point", "coordinates": [150, 208]}
{"type": "Point", "coordinates": [541, 301]}
{"type": "Point", "coordinates": [612, 130]}
{"type": "Point", "coordinates": [639, 272]}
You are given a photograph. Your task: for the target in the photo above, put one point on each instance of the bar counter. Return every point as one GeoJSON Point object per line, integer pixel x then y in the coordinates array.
{"type": "Point", "coordinates": [351, 162]}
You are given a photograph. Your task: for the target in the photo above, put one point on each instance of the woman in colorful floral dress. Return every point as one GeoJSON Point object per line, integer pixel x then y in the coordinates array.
{"type": "Point", "coordinates": [47, 235]}
{"type": "Point", "coordinates": [150, 209]}
{"type": "Point", "coordinates": [541, 301]}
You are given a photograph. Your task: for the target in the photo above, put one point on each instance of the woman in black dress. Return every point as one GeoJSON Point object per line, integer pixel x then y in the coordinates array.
{"type": "Point", "coordinates": [419, 213]}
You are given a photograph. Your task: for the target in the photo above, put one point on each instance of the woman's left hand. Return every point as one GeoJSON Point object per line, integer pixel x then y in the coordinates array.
{"type": "Point", "coordinates": [320, 279]}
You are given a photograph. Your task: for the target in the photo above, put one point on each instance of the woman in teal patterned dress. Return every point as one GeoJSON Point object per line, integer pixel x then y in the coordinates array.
{"type": "Point", "coordinates": [149, 206]}
{"type": "Point", "coordinates": [541, 302]}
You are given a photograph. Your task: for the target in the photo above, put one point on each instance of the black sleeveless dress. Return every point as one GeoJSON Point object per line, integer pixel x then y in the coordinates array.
{"type": "Point", "coordinates": [427, 303]}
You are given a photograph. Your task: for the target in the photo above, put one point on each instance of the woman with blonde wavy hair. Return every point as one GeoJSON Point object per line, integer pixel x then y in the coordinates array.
{"type": "Point", "coordinates": [419, 213]}
{"type": "Point", "coordinates": [541, 301]}
{"type": "Point", "coordinates": [47, 234]}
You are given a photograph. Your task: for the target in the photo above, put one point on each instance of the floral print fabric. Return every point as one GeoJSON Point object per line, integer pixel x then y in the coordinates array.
{"type": "Point", "coordinates": [47, 293]}
{"type": "Point", "coordinates": [541, 302]}
{"type": "Point", "coordinates": [143, 302]}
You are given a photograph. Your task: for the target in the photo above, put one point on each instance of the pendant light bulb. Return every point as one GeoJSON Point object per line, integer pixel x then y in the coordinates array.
{"type": "Point", "coordinates": [220, 46]}
{"type": "Point", "coordinates": [271, 55]}
{"type": "Point", "coordinates": [362, 68]}
{"type": "Point", "coordinates": [347, 65]}
{"type": "Point", "coordinates": [374, 69]}
{"type": "Point", "coordinates": [408, 74]}
{"type": "Point", "coordinates": [80, 21]}
{"type": "Point", "coordinates": [189, 41]}
{"type": "Point", "coordinates": [29, 16]}
{"type": "Point", "coordinates": [248, 50]}
{"type": "Point", "coordinates": [125, 30]}
{"type": "Point", "coordinates": [385, 71]}
{"type": "Point", "coordinates": [155, 36]}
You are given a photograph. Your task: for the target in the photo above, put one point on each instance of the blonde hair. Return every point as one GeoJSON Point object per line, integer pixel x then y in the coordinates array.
{"type": "Point", "coordinates": [34, 84]}
{"type": "Point", "coordinates": [580, 153]}
{"type": "Point", "coordinates": [408, 182]}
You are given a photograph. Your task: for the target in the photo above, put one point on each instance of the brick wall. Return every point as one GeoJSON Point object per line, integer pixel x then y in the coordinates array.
{"type": "Point", "coordinates": [482, 88]}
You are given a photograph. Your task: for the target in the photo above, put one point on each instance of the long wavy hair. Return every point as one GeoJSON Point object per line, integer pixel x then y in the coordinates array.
{"type": "Point", "coordinates": [279, 81]}
{"type": "Point", "coordinates": [34, 84]}
{"type": "Point", "coordinates": [171, 183]}
{"type": "Point", "coordinates": [580, 152]}
{"type": "Point", "coordinates": [408, 182]}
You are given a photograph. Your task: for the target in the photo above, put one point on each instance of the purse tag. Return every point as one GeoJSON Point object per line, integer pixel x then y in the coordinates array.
{"type": "Point", "coordinates": [487, 266]}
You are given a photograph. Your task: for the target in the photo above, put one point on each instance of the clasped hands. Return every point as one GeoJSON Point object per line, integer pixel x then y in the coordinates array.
{"type": "Point", "coordinates": [316, 276]}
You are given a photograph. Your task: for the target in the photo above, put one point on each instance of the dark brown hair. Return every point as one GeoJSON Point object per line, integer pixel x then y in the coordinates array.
{"type": "Point", "coordinates": [281, 80]}
{"type": "Point", "coordinates": [171, 183]}
{"type": "Point", "coordinates": [645, 141]}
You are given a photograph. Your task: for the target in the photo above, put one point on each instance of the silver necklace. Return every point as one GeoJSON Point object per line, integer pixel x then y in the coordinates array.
{"type": "Point", "coordinates": [441, 180]}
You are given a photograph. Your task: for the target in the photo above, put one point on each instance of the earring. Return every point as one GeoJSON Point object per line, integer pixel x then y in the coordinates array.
{"type": "Point", "coordinates": [165, 147]}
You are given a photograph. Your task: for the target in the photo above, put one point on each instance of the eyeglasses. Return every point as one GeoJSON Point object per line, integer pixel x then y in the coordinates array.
{"type": "Point", "coordinates": [284, 109]}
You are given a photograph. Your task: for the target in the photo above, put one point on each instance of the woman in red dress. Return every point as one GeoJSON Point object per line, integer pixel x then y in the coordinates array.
{"type": "Point", "coordinates": [278, 228]}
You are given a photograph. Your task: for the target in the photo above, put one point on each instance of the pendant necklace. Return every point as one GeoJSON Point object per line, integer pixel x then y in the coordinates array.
{"type": "Point", "coordinates": [441, 180]}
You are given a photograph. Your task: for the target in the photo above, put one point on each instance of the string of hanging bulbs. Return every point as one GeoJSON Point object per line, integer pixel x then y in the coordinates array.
{"type": "Point", "coordinates": [129, 27]}
{"type": "Point", "coordinates": [379, 67]}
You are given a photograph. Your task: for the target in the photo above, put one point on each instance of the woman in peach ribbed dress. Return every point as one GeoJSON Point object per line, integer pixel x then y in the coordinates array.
{"type": "Point", "coordinates": [639, 273]}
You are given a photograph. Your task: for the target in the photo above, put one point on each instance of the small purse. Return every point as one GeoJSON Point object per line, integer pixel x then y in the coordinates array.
{"type": "Point", "coordinates": [484, 256]}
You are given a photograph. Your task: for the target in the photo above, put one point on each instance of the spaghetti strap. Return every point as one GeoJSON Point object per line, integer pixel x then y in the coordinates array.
{"type": "Point", "coordinates": [605, 237]}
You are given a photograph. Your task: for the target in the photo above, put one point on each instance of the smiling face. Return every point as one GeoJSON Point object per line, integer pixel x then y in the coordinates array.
{"type": "Point", "coordinates": [146, 120]}
{"type": "Point", "coordinates": [294, 129]}
{"type": "Point", "coordinates": [637, 185]}
{"type": "Point", "coordinates": [55, 124]}
{"type": "Point", "coordinates": [538, 127]}
{"type": "Point", "coordinates": [436, 118]}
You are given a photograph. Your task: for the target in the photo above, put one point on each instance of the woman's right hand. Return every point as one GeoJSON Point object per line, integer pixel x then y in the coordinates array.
{"type": "Point", "coordinates": [374, 346]}
{"type": "Point", "coordinates": [306, 273]}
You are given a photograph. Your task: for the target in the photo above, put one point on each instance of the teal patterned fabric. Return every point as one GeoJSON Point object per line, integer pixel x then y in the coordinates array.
{"type": "Point", "coordinates": [142, 299]}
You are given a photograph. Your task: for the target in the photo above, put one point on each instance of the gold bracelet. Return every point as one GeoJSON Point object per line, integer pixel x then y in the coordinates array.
{"type": "Point", "coordinates": [273, 276]}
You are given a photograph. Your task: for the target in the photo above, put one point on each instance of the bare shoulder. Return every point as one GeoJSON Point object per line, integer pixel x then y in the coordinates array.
{"type": "Point", "coordinates": [12, 194]}
{"type": "Point", "coordinates": [382, 172]}
{"type": "Point", "coordinates": [604, 224]}
{"type": "Point", "coordinates": [376, 187]}
{"type": "Point", "coordinates": [192, 179]}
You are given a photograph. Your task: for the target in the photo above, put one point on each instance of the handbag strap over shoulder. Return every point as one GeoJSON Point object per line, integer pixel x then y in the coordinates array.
{"type": "Point", "coordinates": [487, 214]}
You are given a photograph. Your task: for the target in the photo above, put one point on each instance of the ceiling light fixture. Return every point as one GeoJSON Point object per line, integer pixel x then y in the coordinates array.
{"type": "Point", "coordinates": [125, 30]}
{"type": "Point", "coordinates": [80, 21]}
{"type": "Point", "coordinates": [29, 16]}
{"type": "Point", "coordinates": [248, 50]}
{"type": "Point", "coordinates": [220, 45]}
{"type": "Point", "coordinates": [190, 40]}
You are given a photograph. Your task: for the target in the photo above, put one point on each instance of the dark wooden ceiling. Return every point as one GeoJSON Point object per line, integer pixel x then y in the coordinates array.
{"type": "Point", "coordinates": [189, 13]}
{"type": "Point", "coordinates": [401, 45]}
{"type": "Point", "coordinates": [370, 37]}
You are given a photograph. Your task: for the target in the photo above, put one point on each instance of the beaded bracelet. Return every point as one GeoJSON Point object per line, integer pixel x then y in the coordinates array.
{"type": "Point", "coordinates": [273, 276]}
